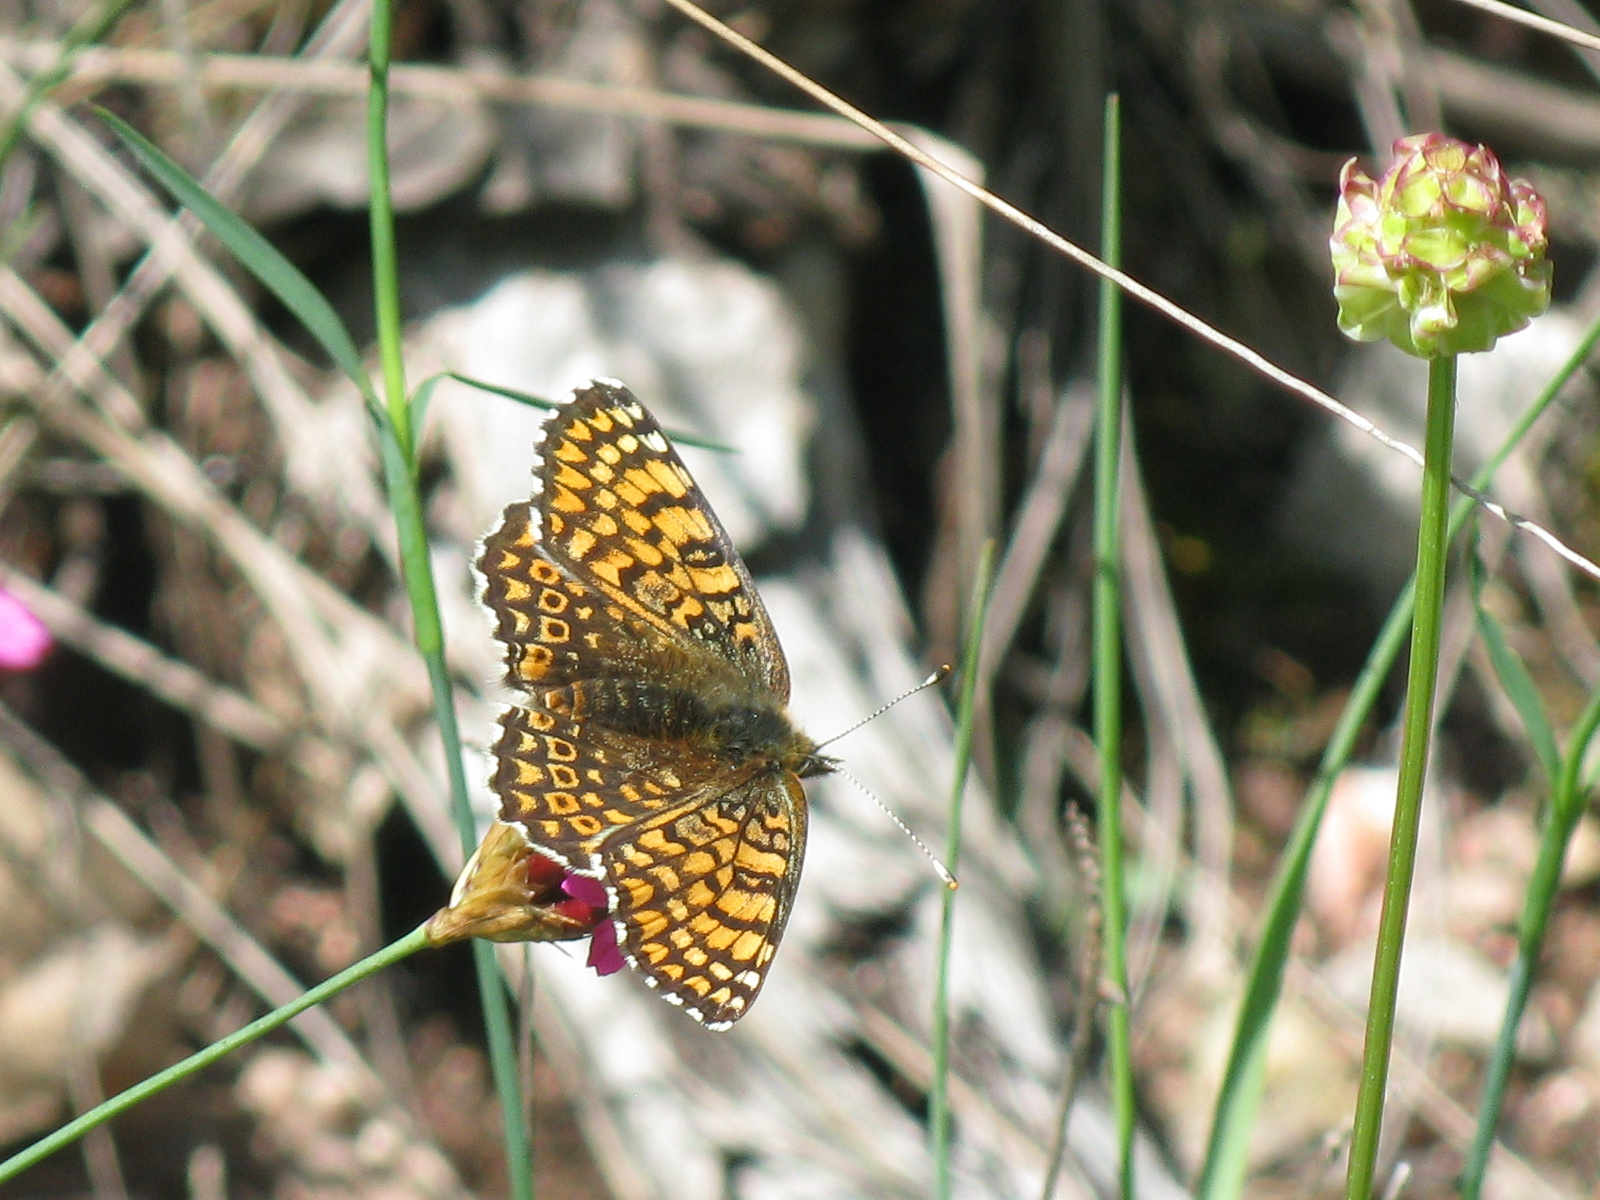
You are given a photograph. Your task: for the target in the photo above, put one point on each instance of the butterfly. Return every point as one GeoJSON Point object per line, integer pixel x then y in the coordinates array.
{"type": "Point", "coordinates": [651, 748]}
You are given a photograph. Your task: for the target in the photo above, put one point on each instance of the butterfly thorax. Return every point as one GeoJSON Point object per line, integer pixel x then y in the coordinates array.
{"type": "Point", "coordinates": [738, 726]}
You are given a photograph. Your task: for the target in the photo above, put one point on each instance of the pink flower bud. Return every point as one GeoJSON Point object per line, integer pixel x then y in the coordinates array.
{"type": "Point", "coordinates": [1441, 255]}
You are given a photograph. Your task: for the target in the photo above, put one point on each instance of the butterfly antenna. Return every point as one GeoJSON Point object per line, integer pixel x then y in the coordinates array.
{"type": "Point", "coordinates": [938, 676]}
{"type": "Point", "coordinates": [940, 869]}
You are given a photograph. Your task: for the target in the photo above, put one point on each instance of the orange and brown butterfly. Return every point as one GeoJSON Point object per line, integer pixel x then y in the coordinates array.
{"type": "Point", "coordinates": [651, 751]}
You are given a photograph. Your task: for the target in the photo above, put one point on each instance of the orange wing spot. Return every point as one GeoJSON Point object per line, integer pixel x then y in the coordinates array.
{"type": "Point", "coordinates": [563, 776]}
{"type": "Point", "coordinates": [672, 970]}
{"type": "Point", "coordinates": [605, 525]}
{"type": "Point", "coordinates": [655, 952]}
{"type": "Point", "coordinates": [636, 521]}
{"type": "Point", "coordinates": [719, 971]}
{"type": "Point", "coordinates": [705, 924]}
{"type": "Point", "coordinates": [566, 477]}
{"type": "Point", "coordinates": [562, 804]}
{"type": "Point", "coordinates": [543, 722]}
{"type": "Point", "coordinates": [627, 443]}
{"type": "Point", "coordinates": [594, 776]}
{"type": "Point", "coordinates": [516, 590]}
{"type": "Point", "coordinates": [645, 552]}
{"type": "Point", "coordinates": [721, 937]}
{"type": "Point", "coordinates": [559, 749]}
{"type": "Point", "coordinates": [608, 453]}
{"type": "Point", "coordinates": [657, 591]}
{"type": "Point", "coordinates": [554, 522]}
{"type": "Point", "coordinates": [579, 544]}
{"type": "Point", "coordinates": [535, 664]}
{"type": "Point", "coordinates": [667, 878]}
{"type": "Point", "coordinates": [611, 567]}
{"type": "Point", "coordinates": [605, 498]}
{"type": "Point", "coordinates": [530, 775]}
{"type": "Point", "coordinates": [651, 923]}
{"type": "Point", "coordinates": [564, 500]}
{"type": "Point", "coordinates": [668, 478]}
{"type": "Point", "coordinates": [765, 956]}
{"type": "Point", "coordinates": [637, 857]}
{"type": "Point", "coordinates": [554, 629]}
{"type": "Point", "coordinates": [736, 902]}
{"type": "Point", "coordinates": [581, 431]}
{"type": "Point", "coordinates": [628, 488]}
{"type": "Point", "coordinates": [592, 799]}
{"type": "Point", "coordinates": [679, 912]}
{"type": "Point", "coordinates": [670, 778]}
{"type": "Point", "coordinates": [545, 573]}
{"type": "Point", "coordinates": [748, 943]}
{"type": "Point", "coordinates": [686, 611]}
{"type": "Point", "coordinates": [715, 581]}
{"type": "Point", "coordinates": [585, 826]}
{"type": "Point", "coordinates": [601, 473]}
{"type": "Point", "coordinates": [552, 601]}
{"type": "Point", "coordinates": [697, 957]}
{"type": "Point", "coordinates": [615, 816]}
{"type": "Point", "coordinates": [602, 421]}
{"type": "Point", "coordinates": [681, 938]}
{"type": "Point", "coordinates": [568, 452]}
{"type": "Point", "coordinates": [698, 984]}
{"type": "Point", "coordinates": [699, 863]}
{"type": "Point", "coordinates": [655, 839]}
{"type": "Point", "coordinates": [761, 862]}
{"type": "Point", "coordinates": [699, 895]}
{"type": "Point", "coordinates": [720, 997]}
{"type": "Point", "coordinates": [639, 892]}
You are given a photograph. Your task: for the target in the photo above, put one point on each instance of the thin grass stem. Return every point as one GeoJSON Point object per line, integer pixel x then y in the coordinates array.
{"type": "Point", "coordinates": [105, 1111]}
{"type": "Point", "coordinates": [1107, 622]}
{"type": "Point", "coordinates": [966, 718]}
{"type": "Point", "coordinates": [417, 569]}
{"type": "Point", "coordinates": [1416, 732]}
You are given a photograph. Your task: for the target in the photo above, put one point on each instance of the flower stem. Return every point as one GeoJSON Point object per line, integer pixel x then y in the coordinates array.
{"type": "Point", "coordinates": [1432, 551]}
{"type": "Point", "coordinates": [1107, 625]}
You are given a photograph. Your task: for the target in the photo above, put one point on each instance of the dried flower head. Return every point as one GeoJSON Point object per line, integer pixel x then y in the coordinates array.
{"type": "Point", "coordinates": [509, 892]}
{"type": "Point", "coordinates": [1443, 254]}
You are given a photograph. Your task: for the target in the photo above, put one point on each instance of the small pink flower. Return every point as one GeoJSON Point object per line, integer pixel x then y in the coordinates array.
{"type": "Point", "coordinates": [24, 640]}
{"type": "Point", "coordinates": [604, 956]}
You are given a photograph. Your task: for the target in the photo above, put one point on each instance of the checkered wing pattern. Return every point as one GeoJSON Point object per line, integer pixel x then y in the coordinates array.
{"type": "Point", "coordinates": [627, 618]}
{"type": "Point", "coordinates": [618, 560]}
{"type": "Point", "coordinates": [701, 868]}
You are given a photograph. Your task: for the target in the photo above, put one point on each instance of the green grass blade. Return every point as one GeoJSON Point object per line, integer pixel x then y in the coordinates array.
{"type": "Point", "coordinates": [103, 1112]}
{"type": "Point", "coordinates": [1561, 818]}
{"type": "Point", "coordinates": [532, 401]}
{"type": "Point", "coordinates": [1513, 675]}
{"type": "Point", "coordinates": [966, 715]}
{"type": "Point", "coordinates": [276, 273]}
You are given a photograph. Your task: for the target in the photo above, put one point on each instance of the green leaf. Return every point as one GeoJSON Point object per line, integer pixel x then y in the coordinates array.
{"type": "Point", "coordinates": [258, 255]}
{"type": "Point", "coordinates": [1514, 677]}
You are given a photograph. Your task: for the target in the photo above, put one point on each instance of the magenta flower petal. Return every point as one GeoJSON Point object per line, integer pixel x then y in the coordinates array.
{"type": "Point", "coordinates": [24, 640]}
{"type": "Point", "coordinates": [590, 891]}
{"type": "Point", "coordinates": [604, 956]}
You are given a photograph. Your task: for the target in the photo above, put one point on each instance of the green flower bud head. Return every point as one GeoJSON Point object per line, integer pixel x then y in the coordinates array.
{"type": "Point", "coordinates": [1443, 254]}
